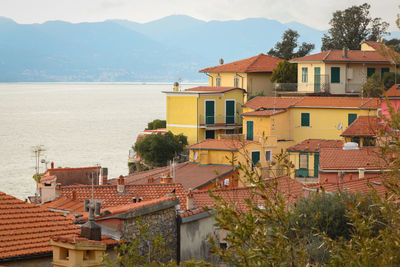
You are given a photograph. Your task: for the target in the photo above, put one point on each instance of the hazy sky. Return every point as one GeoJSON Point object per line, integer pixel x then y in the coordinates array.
{"type": "Point", "coordinates": [315, 13]}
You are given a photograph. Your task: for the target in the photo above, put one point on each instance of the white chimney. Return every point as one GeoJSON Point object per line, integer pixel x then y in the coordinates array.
{"type": "Point", "coordinates": [121, 184]}
{"type": "Point", "coordinates": [190, 200]}
{"type": "Point", "coordinates": [361, 173]}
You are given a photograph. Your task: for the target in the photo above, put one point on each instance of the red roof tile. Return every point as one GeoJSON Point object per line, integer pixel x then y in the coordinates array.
{"type": "Point", "coordinates": [26, 229]}
{"type": "Point", "coordinates": [393, 91]}
{"type": "Point", "coordinates": [363, 126]}
{"type": "Point", "coordinates": [314, 145]}
{"type": "Point", "coordinates": [190, 175]}
{"type": "Point", "coordinates": [339, 159]}
{"type": "Point", "coordinates": [222, 144]}
{"type": "Point", "coordinates": [259, 63]}
{"type": "Point", "coordinates": [352, 56]}
{"type": "Point", "coordinates": [263, 113]}
{"type": "Point", "coordinates": [73, 239]}
{"type": "Point", "coordinates": [267, 102]}
{"type": "Point", "coordinates": [212, 89]}
{"type": "Point", "coordinates": [339, 102]}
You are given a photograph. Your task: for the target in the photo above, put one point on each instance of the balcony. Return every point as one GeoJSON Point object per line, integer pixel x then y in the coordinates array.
{"type": "Point", "coordinates": [353, 88]}
{"type": "Point", "coordinates": [315, 88]}
{"type": "Point", "coordinates": [220, 122]}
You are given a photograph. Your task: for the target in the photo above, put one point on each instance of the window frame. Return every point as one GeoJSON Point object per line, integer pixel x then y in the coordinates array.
{"type": "Point", "coordinates": [302, 121]}
{"type": "Point", "coordinates": [336, 71]}
{"type": "Point", "coordinates": [270, 155]}
{"type": "Point", "coordinates": [304, 74]}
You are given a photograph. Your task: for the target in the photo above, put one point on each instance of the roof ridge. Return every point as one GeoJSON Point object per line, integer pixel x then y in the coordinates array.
{"type": "Point", "coordinates": [254, 61]}
{"type": "Point", "coordinates": [325, 57]}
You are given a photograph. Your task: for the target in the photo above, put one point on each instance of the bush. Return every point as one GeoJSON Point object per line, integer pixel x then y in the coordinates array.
{"type": "Point", "coordinates": [156, 124]}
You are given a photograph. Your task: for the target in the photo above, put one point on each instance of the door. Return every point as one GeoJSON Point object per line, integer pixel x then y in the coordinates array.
{"type": "Point", "coordinates": [316, 164]}
{"type": "Point", "coordinates": [230, 112]}
{"type": "Point", "coordinates": [210, 112]}
{"type": "Point", "coordinates": [317, 79]}
{"type": "Point", "coordinates": [249, 135]}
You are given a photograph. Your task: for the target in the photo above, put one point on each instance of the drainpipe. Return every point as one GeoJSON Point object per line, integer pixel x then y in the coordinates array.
{"type": "Point", "coordinates": [212, 78]}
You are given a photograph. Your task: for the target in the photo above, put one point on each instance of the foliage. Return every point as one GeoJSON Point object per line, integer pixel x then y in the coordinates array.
{"type": "Point", "coordinates": [158, 149]}
{"type": "Point", "coordinates": [285, 49]}
{"type": "Point", "coordinates": [137, 167]}
{"type": "Point", "coordinates": [389, 79]}
{"type": "Point", "coordinates": [156, 124]}
{"type": "Point", "coordinates": [373, 87]}
{"type": "Point", "coordinates": [393, 43]}
{"type": "Point", "coordinates": [352, 26]}
{"type": "Point", "coordinates": [261, 93]}
{"type": "Point", "coordinates": [285, 72]}
{"type": "Point", "coordinates": [37, 177]}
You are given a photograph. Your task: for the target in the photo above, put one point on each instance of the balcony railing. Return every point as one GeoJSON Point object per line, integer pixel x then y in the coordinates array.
{"type": "Point", "coordinates": [354, 88]}
{"type": "Point", "coordinates": [306, 87]}
{"type": "Point", "coordinates": [220, 120]}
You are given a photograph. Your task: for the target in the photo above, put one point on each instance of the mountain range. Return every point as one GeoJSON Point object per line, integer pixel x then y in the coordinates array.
{"type": "Point", "coordinates": [167, 49]}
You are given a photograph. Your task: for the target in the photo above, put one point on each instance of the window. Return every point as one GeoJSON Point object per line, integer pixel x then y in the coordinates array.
{"type": "Point", "coordinates": [249, 135]}
{"type": "Point", "coordinates": [351, 117]}
{"type": "Point", "coordinates": [305, 119]}
{"type": "Point", "coordinates": [369, 141]}
{"type": "Point", "coordinates": [370, 71]}
{"type": "Point", "coordinates": [236, 82]}
{"type": "Point", "coordinates": [355, 139]}
{"type": "Point", "coordinates": [335, 75]}
{"type": "Point", "coordinates": [229, 131]}
{"type": "Point", "coordinates": [303, 161]}
{"type": "Point", "coordinates": [255, 158]}
{"type": "Point", "coordinates": [218, 81]}
{"type": "Point", "coordinates": [210, 134]}
{"type": "Point", "coordinates": [304, 75]}
{"type": "Point", "coordinates": [383, 71]}
{"type": "Point", "coordinates": [268, 155]}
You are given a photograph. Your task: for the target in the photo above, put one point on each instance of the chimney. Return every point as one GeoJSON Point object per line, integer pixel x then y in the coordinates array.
{"type": "Point", "coordinates": [381, 39]}
{"type": "Point", "coordinates": [150, 180]}
{"type": "Point", "coordinates": [344, 52]}
{"type": "Point", "coordinates": [166, 179]}
{"type": "Point", "coordinates": [52, 165]}
{"type": "Point", "coordinates": [58, 191]}
{"type": "Point", "coordinates": [190, 200]}
{"type": "Point", "coordinates": [361, 173]}
{"type": "Point", "coordinates": [221, 61]}
{"type": "Point", "coordinates": [104, 176]}
{"type": "Point", "coordinates": [97, 208]}
{"type": "Point", "coordinates": [176, 86]}
{"type": "Point", "coordinates": [73, 195]}
{"type": "Point", "coordinates": [91, 230]}
{"type": "Point", "coordinates": [86, 205]}
{"type": "Point", "coordinates": [121, 184]}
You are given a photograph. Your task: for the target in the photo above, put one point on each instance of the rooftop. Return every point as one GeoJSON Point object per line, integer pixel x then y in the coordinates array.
{"type": "Point", "coordinates": [212, 89]}
{"type": "Point", "coordinates": [354, 56]}
{"type": "Point", "coordinates": [339, 159]}
{"type": "Point", "coordinates": [363, 126]}
{"type": "Point", "coordinates": [259, 63]}
{"type": "Point", "coordinates": [393, 91]}
{"type": "Point", "coordinates": [26, 229]}
{"type": "Point", "coordinates": [314, 145]}
{"type": "Point", "coordinates": [263, 113]}
{"type": "Point", "coordinates": [267, 102]}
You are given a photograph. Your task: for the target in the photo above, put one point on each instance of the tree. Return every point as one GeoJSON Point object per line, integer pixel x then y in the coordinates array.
{"type": "Point", "coordinates": [352, 26]}
{"type": "Point", "coordinates": [393, 43]}
{"type": "Point", "coordinates": [389, 79]}
{"type": "Point", "coordinates": [158, 149]}
{"type": "Point", "coordinates": [373, 87]}
{"type": "Point", "coordinates": [285, 49]}
{"type": "Point", "coordinates": [285, 72]}
{"type": "Point", "coordinates": [156, 124]}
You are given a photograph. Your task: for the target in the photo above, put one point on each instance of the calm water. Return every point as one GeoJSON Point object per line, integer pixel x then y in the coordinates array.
{"type": "Point", "coordinates": [80, 124]}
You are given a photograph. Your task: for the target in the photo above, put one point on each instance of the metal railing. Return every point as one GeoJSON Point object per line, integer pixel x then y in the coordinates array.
{"type": "Point", "coordinates": [306, 87]}
{"type": "Point", "coordinates": [353, 88]}
{"type": "Point", "coordinates": [220, 119]}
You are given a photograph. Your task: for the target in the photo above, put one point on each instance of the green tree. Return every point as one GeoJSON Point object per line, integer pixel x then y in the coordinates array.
{"type": "Point", "coordinates": [393, 43]}
{"type": "Point", "coordinates": [156, 124]}
{"type": "Point", "coordinates": [285, 48]}
{"type": "Point", "coordinates": [285, 72]}
{"type": "Point", "coordinates": [352, 26]}
{"type": "Point", "coordinates": [158, 149]}
{"type": "Point", "coordinates": [389, 79]}
{"type": "Point", "coordinates": [373, 87]}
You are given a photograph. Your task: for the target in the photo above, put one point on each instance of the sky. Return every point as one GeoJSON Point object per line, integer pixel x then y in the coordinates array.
{"type": "Point", "coordinates": [314, 13]}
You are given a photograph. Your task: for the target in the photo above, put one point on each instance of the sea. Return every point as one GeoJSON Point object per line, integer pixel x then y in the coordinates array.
{"type": "Point", "coordinates": [76, 124]}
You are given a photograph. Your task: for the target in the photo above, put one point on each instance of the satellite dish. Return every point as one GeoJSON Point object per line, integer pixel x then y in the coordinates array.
{"type": "Point", "coordinates": [340, 126]}
{"type": "Point", "coordinates": [195, 156]}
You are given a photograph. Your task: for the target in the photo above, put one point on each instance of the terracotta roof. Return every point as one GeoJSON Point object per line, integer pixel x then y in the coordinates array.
{"type": "Point", "coordinates": [267, 102]}
{"type": "Point", "coordinates": [73, 239]}
{"type": "Point", "coordinates": [190, 175]}
{"type": "Point", "coordinates": [314, 145]}
{"type": "Point", "coordinates": [291, 188]}
{"type": "Point", "coordinates": [110, 197]}
{"type": "Point", "coordinates": [263, 113]}
{"type": "Point", "coordinates": [222, 144]}
{"type": "Point", "coordinates": [259, 63]}
{"type": "Point", "coordinates": [212, 89]}
{"type": "Point", "coordinates": [339, 159]}
{"type": "Point", "coordinates": [353, 186]}
{"type": "Point", "coordinates": [66, 204]}
{"type": "Point", "coordinates": [352, 56]}
{"type": "Point", "coordinates": [339, 102]}
{"type": "Point", "coordinates": [47, 178]}
{"type": "Point", "coordinates": [363, 126]}
{"type": "Point", "coordinates": [26, 229]}
{"type": "Point", "coordinates": [393, 91]}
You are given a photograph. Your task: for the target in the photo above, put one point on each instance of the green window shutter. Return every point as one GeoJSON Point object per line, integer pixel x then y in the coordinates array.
{"type": "Point", "coordinates": [249, 135]}
{"type": "Point", "coordinates": [351, 117]}
{"type": "Point", "coordinates": [210, 112]}
{"type": "Point", "coordinates": [230, 111]}
{"type": "Point", "coordinates": [335, 75]}
{"type": "Point", "coordinates": [383, 71]}
{"type": "Point", "coordinates": [316, 164]}
{"type": "Point", "coordinates": [255, 157]}
{"type": "Point", "coordinates": [304, 74]}
{"type": "Point", "coordinates": [370, 71]}
{"type": "Point", "coordinates": [210, 134]}
{"type": "Point", "coordinates": [305, 119]}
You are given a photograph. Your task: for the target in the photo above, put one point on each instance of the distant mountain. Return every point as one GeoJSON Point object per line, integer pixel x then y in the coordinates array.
{"type": "Point", "coordinates": [120, 50]}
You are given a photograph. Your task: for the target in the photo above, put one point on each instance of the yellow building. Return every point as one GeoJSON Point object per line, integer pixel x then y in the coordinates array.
{"type": "Point", "coordinates": [252, 74]}
{"type": "Point", "coordinates": [204, 112]}
{"type": "Point", "coordinates": [341, 71]}
{"type": "Point", "coordinates": [285, 121]}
